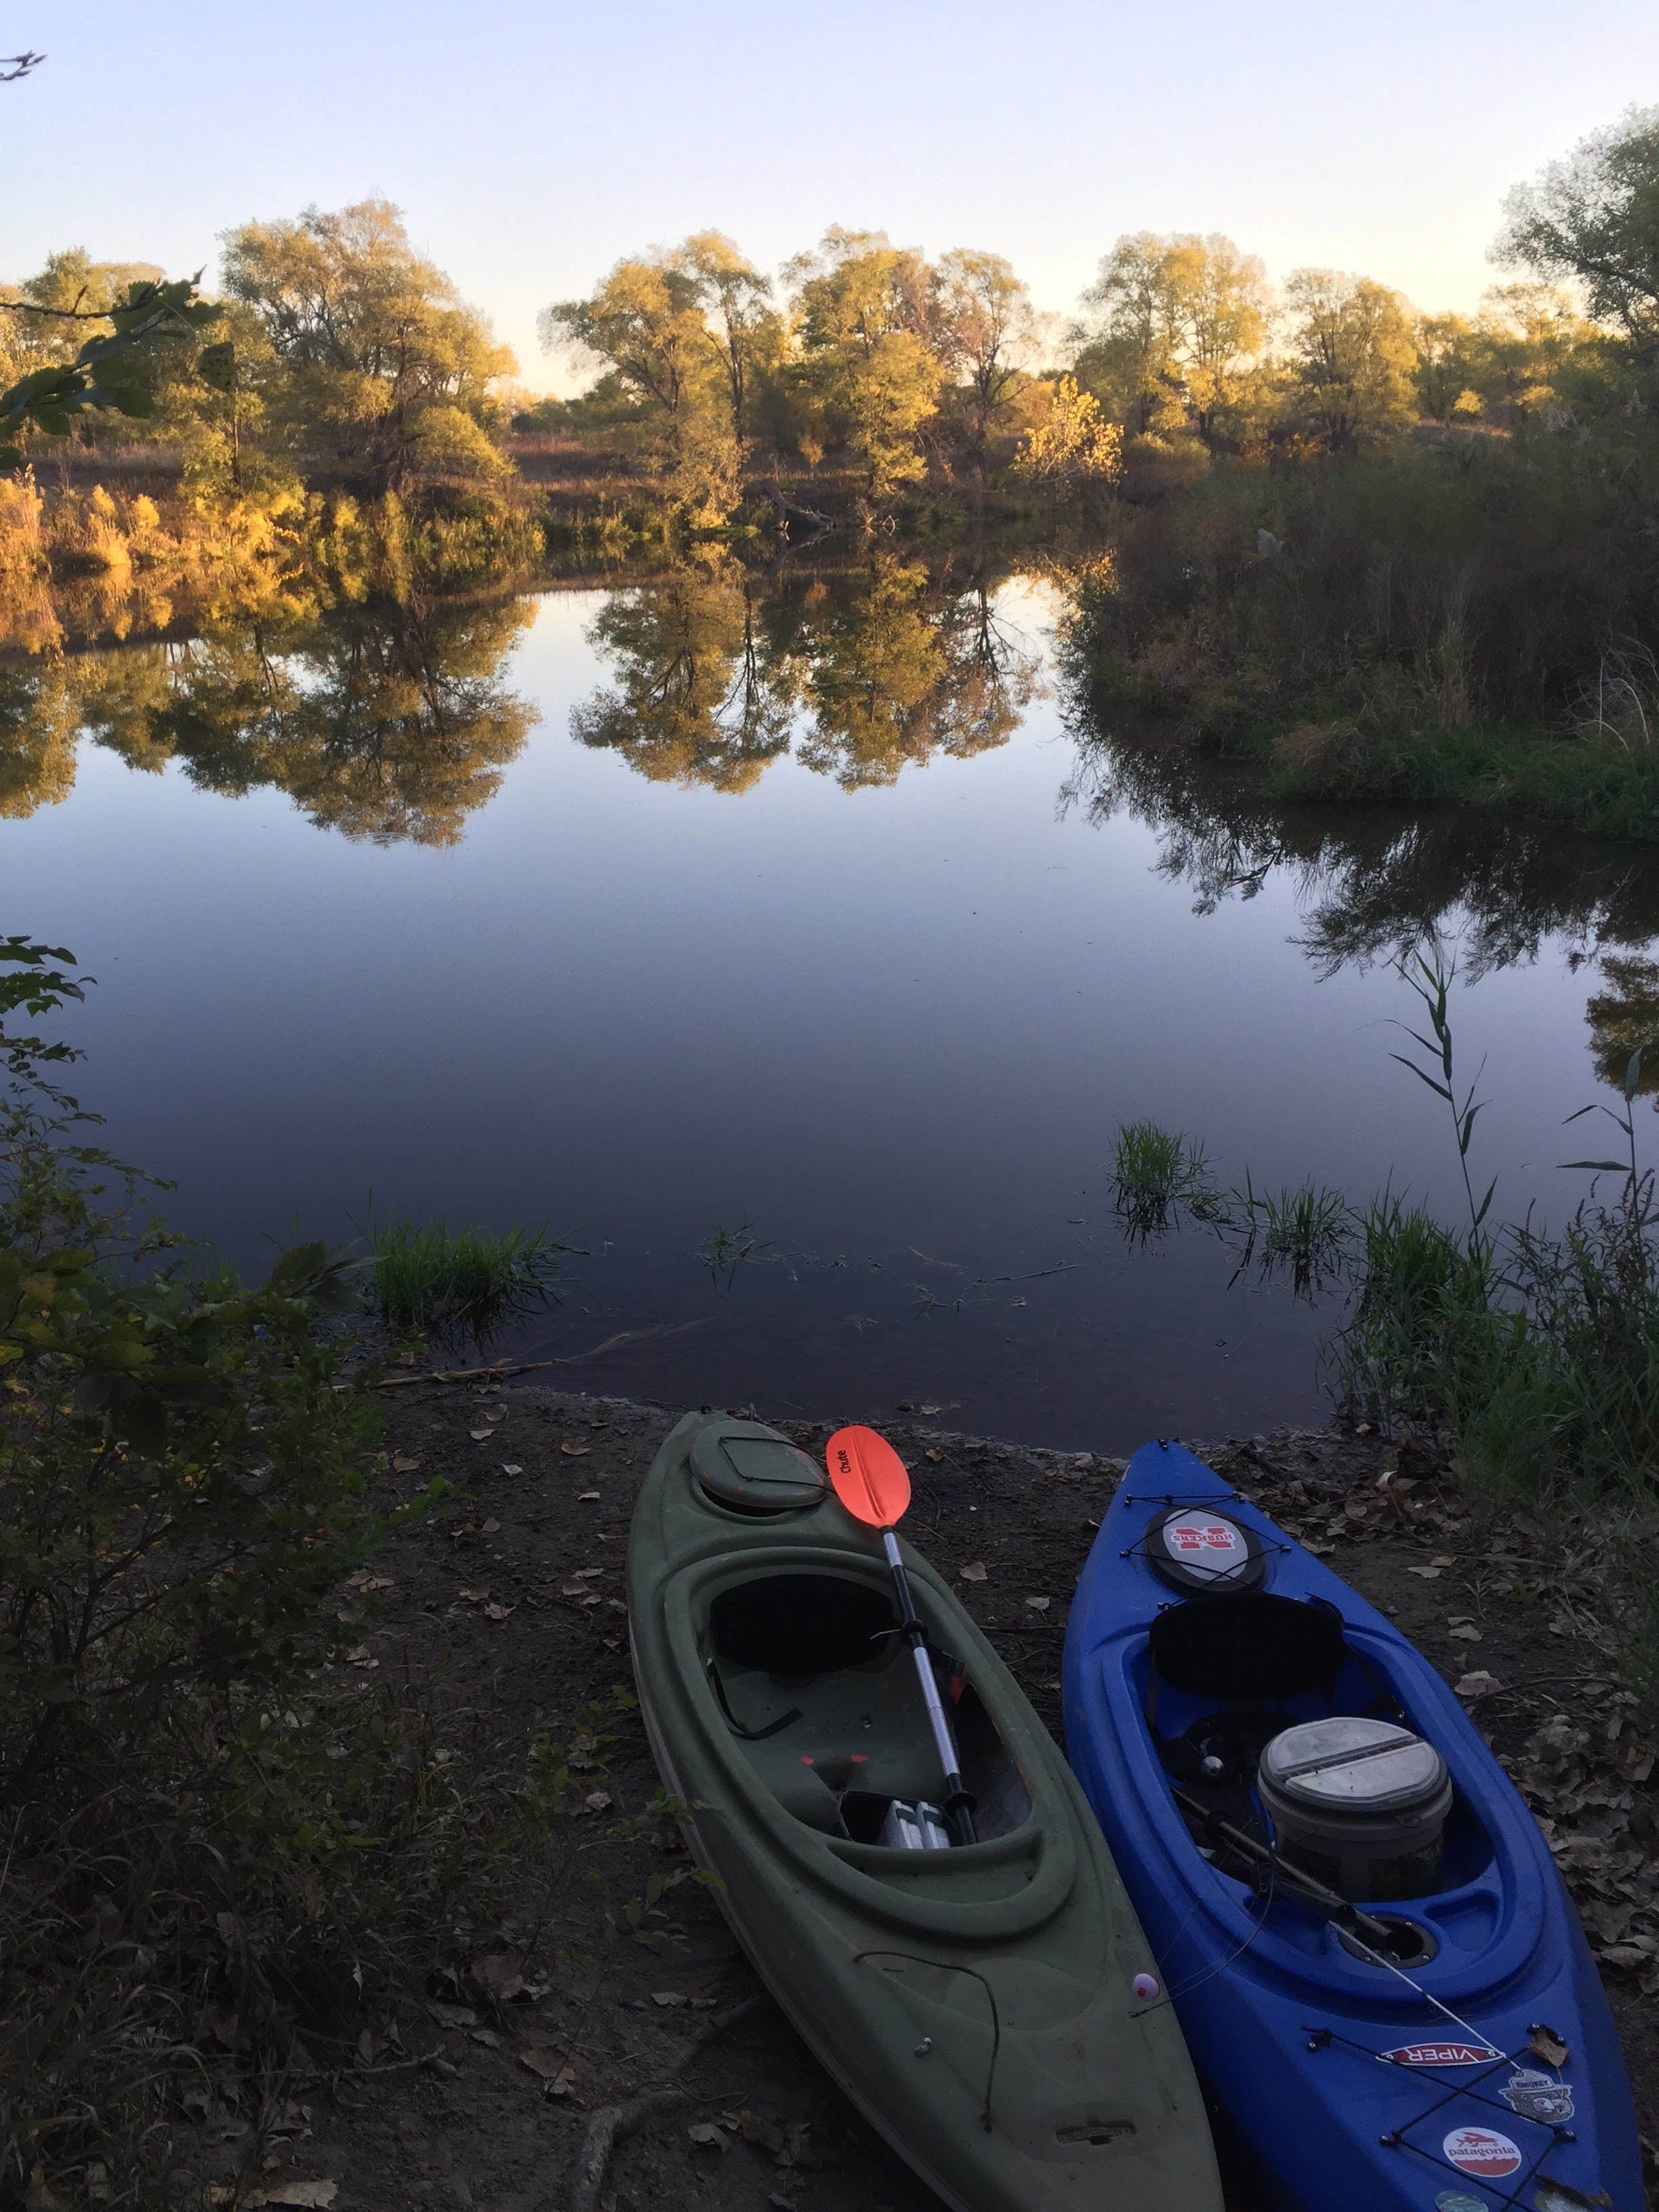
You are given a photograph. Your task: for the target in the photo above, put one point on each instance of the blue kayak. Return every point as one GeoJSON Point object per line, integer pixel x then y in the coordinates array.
{"type": "Point", "coordinates": [1373, 1958]}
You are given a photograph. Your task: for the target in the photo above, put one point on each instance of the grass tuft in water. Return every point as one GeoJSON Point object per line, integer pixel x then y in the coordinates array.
{"type": "Point", "coordinates": [1306, 1232]}
{"type": "Point", "coordinates": [425, 1277]}
{"type": "Point", "coordinates": [725, 1249]}
{"type": "Point", "coordinates": [1156, 1173]}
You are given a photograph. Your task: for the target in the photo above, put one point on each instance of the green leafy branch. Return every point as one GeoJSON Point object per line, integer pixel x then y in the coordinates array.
{"type": "Point", "coordinates": [111, 370]}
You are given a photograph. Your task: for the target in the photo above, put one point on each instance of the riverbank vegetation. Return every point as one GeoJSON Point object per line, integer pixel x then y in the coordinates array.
{"type": "Point", "coordinates": [1378, 555]}
{"type": "Point", "coordinates": [233, 1851]}
{"type": "Point", "coordinates": [1526, 1358]}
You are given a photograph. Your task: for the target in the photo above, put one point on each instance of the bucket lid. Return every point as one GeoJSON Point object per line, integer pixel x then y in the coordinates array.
{"type": "Point", "coordinates": [1350, 1764]}
{"type": "Point", "coordinates": [750, 1467]}
{"type": "Point", "coordinates": [1195, 1548]}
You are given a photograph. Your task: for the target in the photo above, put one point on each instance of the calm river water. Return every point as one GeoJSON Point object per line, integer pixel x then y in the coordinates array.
{"type": "Point", "coordinates": [805, 907]}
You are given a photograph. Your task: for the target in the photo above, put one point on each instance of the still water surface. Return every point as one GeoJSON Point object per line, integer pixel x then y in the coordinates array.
{"type": "Point", "coordinates": [804, 906]}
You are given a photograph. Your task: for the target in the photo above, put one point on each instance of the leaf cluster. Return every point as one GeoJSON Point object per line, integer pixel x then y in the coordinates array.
{"type": "Point", "coordinates": [113, 370]}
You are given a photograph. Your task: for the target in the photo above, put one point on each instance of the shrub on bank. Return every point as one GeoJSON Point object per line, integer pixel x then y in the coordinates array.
{"type": "Point", "coordinates": [1469, 622]}
{"type": "Point", "coordinates": [217, 1855]}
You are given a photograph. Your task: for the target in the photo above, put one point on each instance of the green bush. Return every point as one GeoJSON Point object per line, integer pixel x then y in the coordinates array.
{"type": "Point", "coordinates": [201, 1820]}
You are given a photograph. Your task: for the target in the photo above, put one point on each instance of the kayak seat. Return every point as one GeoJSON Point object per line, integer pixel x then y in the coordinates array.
{"type": "Point", "coordinates": [814, 1681]}
{"type": "Point", "coordinates": [1250, 1644]}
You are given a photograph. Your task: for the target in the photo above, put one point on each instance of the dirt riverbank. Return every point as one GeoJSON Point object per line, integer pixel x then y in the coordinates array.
{"type": "Point", "coordinates": [509, 1607]}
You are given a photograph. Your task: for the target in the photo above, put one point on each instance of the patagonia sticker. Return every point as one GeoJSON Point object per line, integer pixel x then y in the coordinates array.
{"type": "Point", "coordinates": [1537, 2097]}
{"type": "Point", "coordinates": [1459, 2200]}
{"type": "Point", "coordinates": [1441, 2054]}
{"type": "Point", "coordinates": [1482, 2152]}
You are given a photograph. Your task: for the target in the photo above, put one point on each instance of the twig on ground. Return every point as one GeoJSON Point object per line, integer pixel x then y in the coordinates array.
{"type": "Point", "coordinates": [614, 2123]}
{"type": "Point", "coordinates": [499, 1368]}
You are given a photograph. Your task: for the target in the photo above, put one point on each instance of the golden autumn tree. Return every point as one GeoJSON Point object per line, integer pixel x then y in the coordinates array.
{"type": "Point", "coordinates": [1173, 334]}
{"type": "Point", "coordinates": [374, 354]}
{"type": "Point", "coordinates": [646, 322]}
{"type": "Point", "coordinates": [1352, 357]}
{"type": "Point", "coordinates": [863, 309]}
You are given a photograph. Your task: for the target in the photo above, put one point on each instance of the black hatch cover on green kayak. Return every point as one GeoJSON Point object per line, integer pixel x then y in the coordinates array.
{"type": "Point", "coordinates": [753, 1468]}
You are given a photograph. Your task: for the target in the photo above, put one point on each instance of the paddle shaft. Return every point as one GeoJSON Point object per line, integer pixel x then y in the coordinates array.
{"type": "Point", "coordinates": [958, 1804]}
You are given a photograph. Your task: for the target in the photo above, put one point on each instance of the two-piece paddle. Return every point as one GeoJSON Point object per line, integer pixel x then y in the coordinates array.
{"type": "Point", "coordinates": [870, 1482]}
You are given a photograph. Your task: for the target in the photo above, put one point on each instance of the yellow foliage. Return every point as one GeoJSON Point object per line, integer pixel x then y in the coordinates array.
{"type": "Point", "coordinates": [1075, 444]}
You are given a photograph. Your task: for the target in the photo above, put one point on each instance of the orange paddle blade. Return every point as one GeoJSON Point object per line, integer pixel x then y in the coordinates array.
{"type": "Point", "coordinates": [869, 1476]}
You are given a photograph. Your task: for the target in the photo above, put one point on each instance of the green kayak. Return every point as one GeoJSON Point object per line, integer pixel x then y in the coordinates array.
{"type": "Point", "coordinates": [974, 2002]}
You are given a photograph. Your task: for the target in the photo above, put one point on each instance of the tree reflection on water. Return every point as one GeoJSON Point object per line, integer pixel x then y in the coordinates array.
{"type": "Point", "coordinates": [385, 723]}
{"type": "Point", "coordinates": [1370, 882]}
{"type": "Point", "coordinates": [718, 672]}
{"type": "Point", "coordinates": [396, 723]}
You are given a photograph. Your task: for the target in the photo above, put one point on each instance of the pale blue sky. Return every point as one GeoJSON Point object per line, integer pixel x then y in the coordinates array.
{"type": "Point", "coordinates": [530, 146]}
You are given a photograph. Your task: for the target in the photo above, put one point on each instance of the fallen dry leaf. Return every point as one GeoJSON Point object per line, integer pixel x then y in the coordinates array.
{"type": "Point", "coordinates": [574, 1448]}
{"type": "Point", "coordinates": [973, 1572]}
{"type": "Point", "coordinates": [669, 1998]}
{"type": "Point", "coordinates": [1429, 1574]}
{"type": "Point", "coordinates": [1544, 2043]}
{"type": "Point", "coordinates": [511, 1467]}
{"type": "Point", "coordinates": [318, 2193]}
{"type": "Point", "coordinates": [404, 1464]}
{"type": "Point", "coordinates": [588, 1497]}
{"type": "Point", "coordinates": [481, 1436]}
{"type": "Point", "coordinates": [492, 1527]}
{"type": "Point", "coordinates": [598, 1801]}
{"type": "Point", "coordinates": [1039, 1604]}
{"type": "Point", "coordinates": [547, 2066]}
{"type": "Point", "coordinates": [710, 2137]}
{"type": "Point", "coordinates": [472, 1596]}
{"type": "Point", "coordinates": [1480, 1684]}
{"type": "Point", "coordinates": [499, 1612]}
{"type": "Point", "coordinates": [1464, 1630]}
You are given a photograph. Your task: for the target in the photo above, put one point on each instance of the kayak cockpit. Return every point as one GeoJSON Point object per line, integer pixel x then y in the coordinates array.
{"type": "Point", "coordinates": [818, 1693]}
{"type": "Point", "coordinates": [1277, 1727]}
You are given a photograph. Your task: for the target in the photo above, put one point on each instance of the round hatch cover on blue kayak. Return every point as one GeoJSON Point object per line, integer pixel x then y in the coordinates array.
{"type": "Point", "coordinates": [750, 1468]}
{"type": "Point", "coordinates": [1195, 1548]}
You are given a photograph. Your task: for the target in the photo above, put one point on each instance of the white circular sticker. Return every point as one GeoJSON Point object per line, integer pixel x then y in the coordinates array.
{"type": "Point", "coordinates": [1208, 1542]}
{"type": "Point", "coordinates": [1482, 2152]}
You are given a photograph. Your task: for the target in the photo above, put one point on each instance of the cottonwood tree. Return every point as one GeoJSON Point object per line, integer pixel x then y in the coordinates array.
{"type": "Point", "coordinates": [374, 351]}
{"type": "Point", "coordinates": [1445, 371]}
{"type": "Point", "coordinates": [865, 315]}
{"type": "Point", "coordinates": [647, 322]}
{"type": "Point", "coordinates": [1594, 217]}
{"type": "Point", "coordinates": [747, 330]}
{"type": "Point", "coordinates": [984, 331]}
{"type": "Point", "coordinates": [1178, 329]}
{"type": "Point", "coordinates": [1073, 444]}
{"type": "Point", "coordinates": [1353, 356]}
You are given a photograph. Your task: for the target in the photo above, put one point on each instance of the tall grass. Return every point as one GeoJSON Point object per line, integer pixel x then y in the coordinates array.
{"type": "Point", "coordinates": [426, 1278]}
{"type": "Point", "coordinates": [1529, 1357]}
